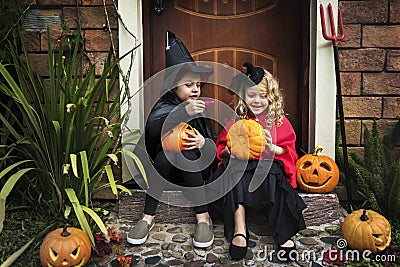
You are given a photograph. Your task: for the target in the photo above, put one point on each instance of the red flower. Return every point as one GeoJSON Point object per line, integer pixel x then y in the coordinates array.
{"type": "Point", "coordinates": [124, 261]}
{"type": "Point", "coordinates": [114, 236]}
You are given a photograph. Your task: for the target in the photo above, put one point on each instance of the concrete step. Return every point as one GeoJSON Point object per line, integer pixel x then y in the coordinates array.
{"type": "Point", "coordinates": [321, 208]}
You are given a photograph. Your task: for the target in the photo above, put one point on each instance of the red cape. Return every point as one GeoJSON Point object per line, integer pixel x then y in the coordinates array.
{"type": "Point", "coordinates": [285, 138]}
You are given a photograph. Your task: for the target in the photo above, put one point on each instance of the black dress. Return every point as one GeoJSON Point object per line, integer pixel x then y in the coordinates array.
{"type": "Point", "coordinates": [274, 197]}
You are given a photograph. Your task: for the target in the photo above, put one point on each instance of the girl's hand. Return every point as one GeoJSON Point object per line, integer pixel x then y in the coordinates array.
{"type": "Point", "coordinates": [225, 153]}
{"type": "Point", "coordinates": [269, 146]}
{"type": "Point", "coordinates": [195, 107]}
{"type": "Point", "coordinates": [274, 149]}
{"type": "Point", "coordinates": [195, 140]}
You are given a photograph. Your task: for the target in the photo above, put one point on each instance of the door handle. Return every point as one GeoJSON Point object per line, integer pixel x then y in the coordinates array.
{"type": "Point", "coordinates": [158, 7]}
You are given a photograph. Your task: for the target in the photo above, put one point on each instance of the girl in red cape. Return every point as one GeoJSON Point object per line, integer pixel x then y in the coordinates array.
{"type": "Point", "coordinates": [258, 97]}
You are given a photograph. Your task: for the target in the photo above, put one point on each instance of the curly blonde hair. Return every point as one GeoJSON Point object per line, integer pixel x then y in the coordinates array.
{"type": "Point", "coordinates": [270, 86]}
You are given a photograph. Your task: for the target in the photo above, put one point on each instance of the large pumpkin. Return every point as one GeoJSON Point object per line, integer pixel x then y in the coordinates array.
{"type": "Point", "coordinates": [317, 173]}
{"type": "Point", "coordinates": [65, 247]}
{"type": "Point", "coordinates": [246, 139]}
{"type": "Point", "coordinates": [366, 229]}
{"type": "Point", "coordinates": [172, 140]}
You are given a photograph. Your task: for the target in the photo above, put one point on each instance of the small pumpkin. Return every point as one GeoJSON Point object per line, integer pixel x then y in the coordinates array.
{"type": "Point", "coordinates": [172, 140]}
{"type": "Point", "coordinates": [65, 247]}
{"type": "Point", "coordinates": [246, 139]}
{"type": "Point", "coordinates": [317, 173]}
{"type": "Point", "coordinates": [367, 230]}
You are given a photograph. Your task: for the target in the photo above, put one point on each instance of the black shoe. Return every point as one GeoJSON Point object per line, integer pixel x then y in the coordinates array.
{"type": "Point", "coordinates": [236, 252]}
{"type": "Point", "coordinates": [284, 253]}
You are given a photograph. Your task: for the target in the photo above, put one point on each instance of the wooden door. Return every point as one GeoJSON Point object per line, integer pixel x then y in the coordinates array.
{"type": "Point", "coordinates": [268, 33]}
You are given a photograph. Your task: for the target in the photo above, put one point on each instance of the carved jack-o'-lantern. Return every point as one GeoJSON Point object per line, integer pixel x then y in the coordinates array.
{"type": "Point", "coordinates": [367, 229]}
{"type": "Point", "coordinates": [246, 139]}
{"type": "Point", "coordinates": [317, 173]}
{"type": "Point", "coordinates": [172, 140]}
{"type": "Point", "coordinates": [62, 248]}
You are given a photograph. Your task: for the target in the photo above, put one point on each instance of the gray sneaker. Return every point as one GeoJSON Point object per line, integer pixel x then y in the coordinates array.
{"type": "Point", "coordinates": [139, 234]}
{"type": "Point", "coordinates": [204, 236]}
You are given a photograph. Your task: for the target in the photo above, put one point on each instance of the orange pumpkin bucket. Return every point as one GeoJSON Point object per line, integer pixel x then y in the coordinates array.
{"type": "Point", "coordinates": [172, 140]}
{"type": "Point", "coordinates": [246, 139]}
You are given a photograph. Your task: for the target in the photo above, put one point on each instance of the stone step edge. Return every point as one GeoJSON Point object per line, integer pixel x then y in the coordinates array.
{"type": "Point", "coordinates": [321, 208]}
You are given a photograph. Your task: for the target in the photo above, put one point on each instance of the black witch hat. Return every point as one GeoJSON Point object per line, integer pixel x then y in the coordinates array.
{"type": "Point", "coordinates": [177, 59]}
{"type": "Point", "coordinates": [254, 73]}
{"type": "Point", "coordinates": [253, 76]}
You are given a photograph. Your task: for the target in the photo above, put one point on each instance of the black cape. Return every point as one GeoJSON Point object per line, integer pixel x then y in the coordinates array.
{"type": "Point", "coordinates": [149, 144]}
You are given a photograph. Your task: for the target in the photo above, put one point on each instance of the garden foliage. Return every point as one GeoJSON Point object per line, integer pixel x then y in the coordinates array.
{"type": "Point", "coordinates": [60, 133]}
{"type": "Point", "coordinates": [376, 176]}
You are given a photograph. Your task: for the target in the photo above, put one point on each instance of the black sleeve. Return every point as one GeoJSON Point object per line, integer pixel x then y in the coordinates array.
{"type": "Point", "coordinates": [177, 115]}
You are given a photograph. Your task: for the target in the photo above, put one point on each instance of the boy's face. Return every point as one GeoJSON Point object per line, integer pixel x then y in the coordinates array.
{"type": "Point", "coordinates": [189, 87]}
{"type": "Point", "coordinates": [256, 100]}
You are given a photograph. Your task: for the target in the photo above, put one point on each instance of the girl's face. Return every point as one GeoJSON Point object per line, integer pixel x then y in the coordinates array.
{"type": "Point", "coordinates": [188, 87]}
{"type": "Point", "coordinates": [256, 100]}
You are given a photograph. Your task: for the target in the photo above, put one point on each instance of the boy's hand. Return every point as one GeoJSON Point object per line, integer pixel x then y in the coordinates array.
{"type": "Point", "coordinates": [195, 107]}
{"type": "Point", "coordinates": [195, 140]}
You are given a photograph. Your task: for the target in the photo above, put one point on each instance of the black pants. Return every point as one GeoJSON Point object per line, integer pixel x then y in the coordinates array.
{"type": "Point", "coordinates": [174, 175]}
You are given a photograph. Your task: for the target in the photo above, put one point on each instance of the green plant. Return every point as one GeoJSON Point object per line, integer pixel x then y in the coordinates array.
{"type": "Point", "coordinates": [377, 174]}
{"type": "Point", "coordinates": [65, 132]}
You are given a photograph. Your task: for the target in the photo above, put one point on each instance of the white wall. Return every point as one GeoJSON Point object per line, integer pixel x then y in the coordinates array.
{"type": "Point", "coordinates": [131, 14]}
{"type": "Point", "coordinates": [322, 82]}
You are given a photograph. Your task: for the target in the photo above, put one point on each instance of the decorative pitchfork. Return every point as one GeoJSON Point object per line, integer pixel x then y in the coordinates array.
{"type": "Point", "coordinates": [335, 40]}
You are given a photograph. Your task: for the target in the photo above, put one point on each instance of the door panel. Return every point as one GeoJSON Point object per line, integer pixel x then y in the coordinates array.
{"type": "Point", "coordinates": [267, 33]}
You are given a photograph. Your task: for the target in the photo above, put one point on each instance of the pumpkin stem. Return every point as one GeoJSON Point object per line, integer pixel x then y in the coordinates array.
{"type": "Point", "coordinates": [64, 232]}
{"type": "Point", "coordinates": [317, 151]}
{"type": "Point", "coordinates": [364, 216]}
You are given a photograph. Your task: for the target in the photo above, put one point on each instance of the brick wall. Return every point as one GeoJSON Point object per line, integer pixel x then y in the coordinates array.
{"type": "Point", "coordinates": [369, 55]}
{"type": "Point", "coordinates": [91, 17]}
{"type": "Point", "coordinates": [370, 67]}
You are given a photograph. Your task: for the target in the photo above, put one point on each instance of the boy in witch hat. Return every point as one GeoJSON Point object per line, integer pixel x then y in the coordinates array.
{"type": "Point", "coordinates": [178, 103]}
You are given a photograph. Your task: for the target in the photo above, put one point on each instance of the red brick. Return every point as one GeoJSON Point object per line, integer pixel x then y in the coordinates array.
{"type": "Point", "coordinates": [100, 40]}
{"type": "Point", "coordinates": [39, 63]}
{"type": "Point", "coordinates": [396, 153]}
{"type": "Point", "coordinates": [393, 60]}
{"type": "Point", "coordinates": [352, 36]}
{"type": "Point", "coordinates": [381, 36]}
{"type": "Point", "coordinates": [371, 59]}
{"type": "Point", "coordinates": [381, 83]}
{"type": "Point", "coordinates": [90, 17]}
{"type": "Point", "coordinates": [394, 11]}
{"type": "Point", "coordinates": [353, 132]}
{"type": "Point", "coordinates": [391, 107]}
{"type": "Point", "coordinates": [385, 127]}
{"type": "Point", "coordinates": [58, 2]}
{"type": "Point", "coordinates": [32, 40]}
{"type": "Point", "coordinates": [39, 19]}
{"type": "Point", "coordinates": [362, 107]}
{"type": "Point", "coordinates": [97, 2]}
{"type": "Point", "coordinates": [351, 83]}
{"type": "Point", "coordinates": [359, 151]}
{"type": "Point", "coordinates": [97, 59]}
{"type": "Point", "coordinates": [370, 11]}
{"type": "Point", "coordinates": [54, 36]}
{"type": "Point", "coordinates": [114, 92]}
